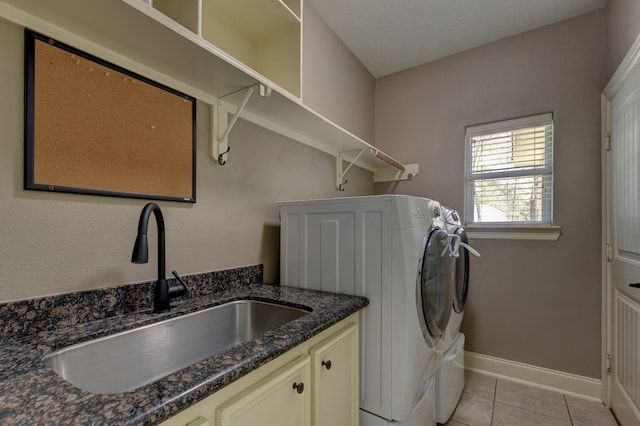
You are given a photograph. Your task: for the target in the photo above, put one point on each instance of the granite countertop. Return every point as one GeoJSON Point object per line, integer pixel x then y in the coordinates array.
{"type": "Point", "coordinates": [31, 393]}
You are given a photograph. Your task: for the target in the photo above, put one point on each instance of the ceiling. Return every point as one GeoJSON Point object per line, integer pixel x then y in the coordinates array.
{"type": "Point", "coordinates": [391, 35]}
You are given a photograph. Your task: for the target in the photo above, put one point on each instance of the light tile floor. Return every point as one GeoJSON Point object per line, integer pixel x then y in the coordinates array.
{"type": "Point", "coordinates": [488, 401]}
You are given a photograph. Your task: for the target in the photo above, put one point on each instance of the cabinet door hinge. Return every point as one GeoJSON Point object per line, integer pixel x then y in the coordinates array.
{"type": "Point", "coordinates": [608, 136]}
{"type": "Point", "coordinates": [609, 253]}
{"type": "Point", "coordinates": [608, 363]}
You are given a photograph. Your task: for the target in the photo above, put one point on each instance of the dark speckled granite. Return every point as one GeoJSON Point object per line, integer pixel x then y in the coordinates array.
{"type": "Point", "coordinates": [31, 316]}
{"type": "Point", "coordinates": [30, 393]}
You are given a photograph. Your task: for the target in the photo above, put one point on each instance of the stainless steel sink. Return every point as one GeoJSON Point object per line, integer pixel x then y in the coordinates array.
{"type": "Point", "coordinates": [128, 360]}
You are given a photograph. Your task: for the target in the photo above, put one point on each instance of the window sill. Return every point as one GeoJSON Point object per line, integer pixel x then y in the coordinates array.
{"type": "Point", "coordinates": [531, 233]}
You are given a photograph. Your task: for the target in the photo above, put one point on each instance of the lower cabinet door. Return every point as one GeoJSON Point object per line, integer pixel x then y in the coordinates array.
{"type": "Point", "coordinates": [282, 398]}
{"type": "Point", "coordinates": [335, 378]}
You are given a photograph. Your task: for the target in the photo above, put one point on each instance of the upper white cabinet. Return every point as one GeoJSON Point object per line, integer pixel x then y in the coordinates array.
{"type": "Point", "coordinates": [213, 50]}
{"type": "Point", "coordinates": [185, 12]}
{"type": "Point", "coordinates": [263, 35]}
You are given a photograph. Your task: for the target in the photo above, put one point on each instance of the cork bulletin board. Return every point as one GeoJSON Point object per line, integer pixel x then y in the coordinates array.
{"type": "Point", "coordinates": [94, 128]}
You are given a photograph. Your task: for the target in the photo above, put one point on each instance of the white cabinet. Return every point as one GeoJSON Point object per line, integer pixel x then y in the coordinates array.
{"type": "Point", "coordinates": [284, 397]}
{"type": "Point", "coordinates": [263, 35]}
{"type": "Point", "coordinates": [184, 12]}
{"type": "Point", "coordinates": [335, 379]}
{"type": "Point", "coordinates": [199, 422]}
{"type": "Point", "coordinates": [294, 389]}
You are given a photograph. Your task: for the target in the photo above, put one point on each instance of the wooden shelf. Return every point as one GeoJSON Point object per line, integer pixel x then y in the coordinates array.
{"type": "Point", "coordinates": [141, 38]}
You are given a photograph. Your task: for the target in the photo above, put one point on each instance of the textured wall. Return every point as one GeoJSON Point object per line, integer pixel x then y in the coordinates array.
{"type": "Point", "coordinates": [334, 81]}
{"type": "Point", "coordinates": [56, 243]}
{"type": "Point", "coordinates": [536, 303]}
{"type": "Point", "coordinates": [623, 27]}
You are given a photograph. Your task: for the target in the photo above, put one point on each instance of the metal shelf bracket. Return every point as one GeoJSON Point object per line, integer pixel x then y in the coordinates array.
{"type": "Point", "coordinates": [340, 170]}
{"type": "Point", "coordinates": [395, 171]}
{"type": "Point", "coordinates": [220, 118]}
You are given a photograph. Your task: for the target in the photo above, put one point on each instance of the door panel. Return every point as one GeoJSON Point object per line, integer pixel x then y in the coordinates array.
{"type": "Point", "coordinates": [624, 235]}
{"type": "Point", "coordinates": [334, 373]}
{"type": "Point", "coordinates": [284, 398]}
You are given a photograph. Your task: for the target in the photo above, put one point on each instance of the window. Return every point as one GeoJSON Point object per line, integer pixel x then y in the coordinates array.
{"type": "Point", "coordinates": [509, 172]}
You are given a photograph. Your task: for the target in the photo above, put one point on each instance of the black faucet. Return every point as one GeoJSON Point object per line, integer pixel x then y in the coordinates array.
{"type": "Point", "coordinates": [162, 291]}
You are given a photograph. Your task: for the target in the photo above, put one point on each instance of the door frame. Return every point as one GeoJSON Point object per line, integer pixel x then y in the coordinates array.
{"type": "Point", "coordinates": [611, 89]}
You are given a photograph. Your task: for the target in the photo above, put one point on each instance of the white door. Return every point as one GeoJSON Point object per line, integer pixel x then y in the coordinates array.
{"type": "Point", "coordinates": [622, 192]}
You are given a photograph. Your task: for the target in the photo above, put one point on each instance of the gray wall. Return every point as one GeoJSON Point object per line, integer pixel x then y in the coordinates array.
{"type": "Point", "coordinates": [329, 72]}
{"type": "Point", "coordinates": [536, 303]}
{"type": "Point", "coordinates": [623, 27]}
{"type": "Point", "coordinates": [54, 243]}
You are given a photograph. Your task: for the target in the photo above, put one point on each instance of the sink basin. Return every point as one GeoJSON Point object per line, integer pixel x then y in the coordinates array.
{"type": "Point", "coordinates": [128, 360]}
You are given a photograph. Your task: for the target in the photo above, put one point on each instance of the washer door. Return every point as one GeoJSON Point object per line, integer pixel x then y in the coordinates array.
{"type": "Point", "coordinates": [434, 289]}
{"type": "Point", "coordinates": [461, 274]}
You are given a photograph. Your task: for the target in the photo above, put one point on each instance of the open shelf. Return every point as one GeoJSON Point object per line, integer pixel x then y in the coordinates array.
{"type": "Point", "coordinates": [146, 40]}
{"type": "Point", "coordinates": [304, 125]}
{"type": "Point", "coordinates": [185, 12]}
{"type": "Point", "coordinates": [264, 36]}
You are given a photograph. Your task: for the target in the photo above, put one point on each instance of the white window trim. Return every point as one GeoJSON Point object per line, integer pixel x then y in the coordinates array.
{"type": "Point", "coordinates": [500, 231]}
{"type": "Point", "coordinates": [507, 125]}
{"type": "Point", "coordinates": [514, 232]}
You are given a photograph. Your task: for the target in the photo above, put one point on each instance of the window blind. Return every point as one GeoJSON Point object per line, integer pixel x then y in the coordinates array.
{"type": "Point", "coordinates": [509, 171]}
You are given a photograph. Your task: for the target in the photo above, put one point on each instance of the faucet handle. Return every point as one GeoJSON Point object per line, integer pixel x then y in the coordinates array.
{"type": "Point", "coordinates": [179, 289]}
{"type": "Point", "coordinates": [179, 278]}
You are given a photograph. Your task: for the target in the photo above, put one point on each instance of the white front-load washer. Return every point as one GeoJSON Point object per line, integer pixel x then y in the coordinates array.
{"type": "Point", "coordinates": [388, 248]}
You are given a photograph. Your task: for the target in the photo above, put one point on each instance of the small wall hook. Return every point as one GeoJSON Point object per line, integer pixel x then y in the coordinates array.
{"type": "Point", "coordinates": [221, 161]}
{"type": "Point", "coordinates": [341, 186]}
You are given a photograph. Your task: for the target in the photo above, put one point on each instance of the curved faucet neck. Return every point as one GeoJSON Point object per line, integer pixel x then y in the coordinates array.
{"type": "Point", "coordinates": [143, 225]}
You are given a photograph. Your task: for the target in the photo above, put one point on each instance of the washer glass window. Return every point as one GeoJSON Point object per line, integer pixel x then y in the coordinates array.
{"type": "Point", "coordinates": [435, 293]}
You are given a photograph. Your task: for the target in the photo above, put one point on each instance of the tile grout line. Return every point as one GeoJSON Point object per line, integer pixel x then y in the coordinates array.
{"type": "Point", "coordinates": [566, 404]}
{"type": "Point", "coordinates": [493, 406]}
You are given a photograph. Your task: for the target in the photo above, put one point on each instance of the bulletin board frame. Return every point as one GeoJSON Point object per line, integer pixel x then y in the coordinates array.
{"type": "Point", "coordinates": [92, 127]}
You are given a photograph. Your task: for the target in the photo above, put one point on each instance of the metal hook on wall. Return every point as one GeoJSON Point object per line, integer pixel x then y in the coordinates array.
{"type": "Point", "coordinates": [221, 159]}
{"type": "Point", "coordinates": [341, 171]}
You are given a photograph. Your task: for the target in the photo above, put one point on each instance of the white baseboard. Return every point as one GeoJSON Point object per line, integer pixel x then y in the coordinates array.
{"type": "Point", "coordinates": [559, 381]}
